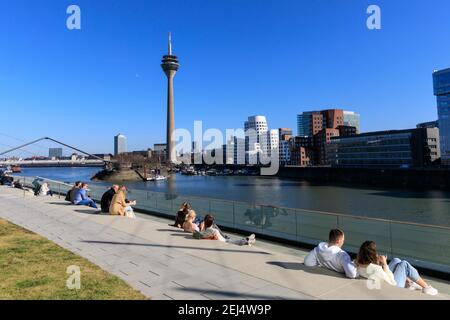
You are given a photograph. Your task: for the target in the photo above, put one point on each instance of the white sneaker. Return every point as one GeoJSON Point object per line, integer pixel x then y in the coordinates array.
{"type": "Point", "coordinates": [430, 290]}
{"type": "Point", "coordinates": [251, 240]}
{"type": "Point", "coordinates": [414, 286]}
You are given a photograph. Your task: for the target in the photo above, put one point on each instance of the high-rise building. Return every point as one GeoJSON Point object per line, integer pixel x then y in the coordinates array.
{"type": "Point", "coordinates": [441, 83]}
{"type": "Point", "coordinates": [55, 153]}
{"type": "Point", "coordinates": [352, 119]}
{"type": "Point", "coordinates": [170, 67]}
{"type": "Point", "coordinates": [120, 144]}
{"type": "Point", "coordinates": [321, 126]}
{"type": "Point", "coordinates": [255, 128]}
{"type": "Point", "coordinates": [309, 123]}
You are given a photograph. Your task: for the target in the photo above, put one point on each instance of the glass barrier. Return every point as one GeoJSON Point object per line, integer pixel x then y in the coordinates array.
{"type": "Point", "coordinates": [425, 245]}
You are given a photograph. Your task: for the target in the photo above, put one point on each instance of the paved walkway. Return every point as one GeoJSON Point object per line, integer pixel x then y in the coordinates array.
{"type": "Point", "coordinates": [165, 263]}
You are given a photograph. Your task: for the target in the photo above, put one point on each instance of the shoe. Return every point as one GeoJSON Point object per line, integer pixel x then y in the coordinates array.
{"type": "Point", "coordinates": [414, 286]}
{"type": "Point", "coordinates": [430, 290]}
{"type": "Point", "coordinates": [251, 240]}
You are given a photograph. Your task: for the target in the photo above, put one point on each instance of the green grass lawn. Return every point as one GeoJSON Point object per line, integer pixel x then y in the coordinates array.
{"type": "Point", "coordinates": [32, 267]}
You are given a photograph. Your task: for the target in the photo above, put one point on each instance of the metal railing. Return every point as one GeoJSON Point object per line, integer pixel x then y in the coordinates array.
{"type": "Point", "coordinates": [426, 246]}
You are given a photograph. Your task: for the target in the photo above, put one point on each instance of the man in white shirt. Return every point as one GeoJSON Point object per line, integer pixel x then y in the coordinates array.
{"type": "Point", "coordinates": [330, 255]}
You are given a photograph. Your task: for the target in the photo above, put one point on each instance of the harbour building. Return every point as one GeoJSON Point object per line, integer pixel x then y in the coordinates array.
{"type": "Point", "coordinates": [441, 83]}
{"type": "Point", "coordinates": [352, 119]}
{"type": "Point", "coordinates": [409, 148]}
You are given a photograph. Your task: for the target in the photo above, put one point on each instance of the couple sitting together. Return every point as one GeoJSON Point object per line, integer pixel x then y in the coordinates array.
{"type": "Point", "coordinates": [206, 228]}
{"type": "Point", "coordinates": [115, 202]}
{"type": "Point", "coordinates": [368, 264]}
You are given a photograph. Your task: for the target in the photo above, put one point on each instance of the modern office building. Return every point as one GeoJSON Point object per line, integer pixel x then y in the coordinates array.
{"type": "Point", "coordinates": [255, 132]}
{"type": "Point", "coordinates": [55, 153]}
{"type": "Point", "coordinates": [347, 131]}
{"type": "Point", "coordinates": [301, 151]}
{"type": "Point", "coordinates": [386, 149]}
{"type": "Point", "coordinates": [285, 152]}
{"type": "Point", "coordinates": [309, 123]}
{"type": "Point", "coordinates": [429, 124]}
{"type": "Point", "coordinates": [352, 119]}
{"type": "Point", "coordinates": [170, 67]}
{"type": "Point", "coordinates": [441, 83]}
{"type": "Point", "coordinates": [285, 134]}
{"type": "Point", "coordinates": [120, 144]}
{"type": "Point", "coordinates": [321, 126]}
{"type": "Point", "coordinates": [321, 140]}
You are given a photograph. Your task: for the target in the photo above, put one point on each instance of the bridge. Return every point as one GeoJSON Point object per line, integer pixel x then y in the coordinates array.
{"type": "Point", "coordinates": [54, 163]}
{"type": "Point", "coordinates": [96, 161]}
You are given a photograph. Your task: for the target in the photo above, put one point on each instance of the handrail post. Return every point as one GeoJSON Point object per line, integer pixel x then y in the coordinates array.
{"type": "Point", "coordinates": [59, 191]}
{"type": "Point", "coordinates": [390, 238]}
{"type": "Point", "coordinates": [234, 216]}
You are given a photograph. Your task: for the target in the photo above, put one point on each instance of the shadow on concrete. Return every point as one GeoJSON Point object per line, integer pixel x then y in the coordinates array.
{"type": "Point", "coordinates": [174, 247]}
{"type": "Point", "coordinates": [61, 203]}
{"type": "Point", "coordinates": [300, 266]}
{"type": "Point", "coordinates": [186, 235]}
{"type": "Point", "coordinates": [95, 212]}
{"type": "Point", "coordinates": [239, 295]}
{"type": "Point", "coordinates": [171, 230]}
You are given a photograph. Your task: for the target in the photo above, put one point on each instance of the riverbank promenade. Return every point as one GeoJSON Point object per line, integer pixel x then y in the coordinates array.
{"type": "Point", "coordinates": [165, 263]}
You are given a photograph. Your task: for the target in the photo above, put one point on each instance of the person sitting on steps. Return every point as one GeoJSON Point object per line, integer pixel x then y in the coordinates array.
{"type": "Point", "coordinates": [181, 215]}
{"type": "Point", "coordinates": [81, 198]}
{"type": "Point", "coordinates": [398, 273]}
{"type": "Point", "coordinates": [331, 256]}
{"type": "Point", "coordinates": [189, 225]}
{"type": "Point", "coordinates": [211, 233]}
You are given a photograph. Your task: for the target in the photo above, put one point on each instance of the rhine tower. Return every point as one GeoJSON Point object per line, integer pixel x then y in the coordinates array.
{"type": "Point", "coordinates": [170, 66]}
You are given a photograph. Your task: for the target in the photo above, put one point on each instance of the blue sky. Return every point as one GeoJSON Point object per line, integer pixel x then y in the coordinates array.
{"type": "Point", "coordinates": [238, 58]}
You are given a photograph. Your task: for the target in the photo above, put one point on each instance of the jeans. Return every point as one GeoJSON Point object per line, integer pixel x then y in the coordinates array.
{"type": "Point", "coordinates": [403, 269]}
{"type": "Point", "coordinates": [87, 202]}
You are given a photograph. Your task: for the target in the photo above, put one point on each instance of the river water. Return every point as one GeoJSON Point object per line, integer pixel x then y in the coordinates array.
{"type": "Point", "coordinates": [422, 206]}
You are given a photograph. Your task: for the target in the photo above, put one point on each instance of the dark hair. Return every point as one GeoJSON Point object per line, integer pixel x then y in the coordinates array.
{"type": "Point", "coordinates": [209, 220]}
{"type": "Point", "coordinates": [84, 184]}
{"type": "Point", "coordinates": [185, 206]}
{"type": "Point", "coordinates": [367, 253]}
{"type": "Point", "coordinates": [335, 235]}
{"type": "Point", "coordinates": [77, 183]}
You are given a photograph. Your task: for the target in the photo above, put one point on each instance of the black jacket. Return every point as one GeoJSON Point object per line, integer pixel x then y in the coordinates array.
{"type": "Point", "coordinates": [105, 202]}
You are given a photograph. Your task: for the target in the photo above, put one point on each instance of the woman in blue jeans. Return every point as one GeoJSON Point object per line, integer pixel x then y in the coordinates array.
{"type": "Point", "coordinates": [407, 276]}
{"type": "Point", "coordinates": [80, 197]}
{"type": "Point", "coordinates": [398, 272]}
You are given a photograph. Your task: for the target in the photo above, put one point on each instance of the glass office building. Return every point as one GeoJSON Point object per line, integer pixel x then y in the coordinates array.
{"type": "Point", "coordinates": [386, 149]}
{"type": "Point", "coordinates": [351, 119]}
{"type": "Point", "coordinates": [441, 83]}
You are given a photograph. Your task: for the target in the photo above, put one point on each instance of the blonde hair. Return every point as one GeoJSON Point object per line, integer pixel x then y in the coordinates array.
{"type": "Point", "coordinates": [190, 216]}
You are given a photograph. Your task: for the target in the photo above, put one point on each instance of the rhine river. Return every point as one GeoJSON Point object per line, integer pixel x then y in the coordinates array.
{"type": "Point", "coordinates": [422, 206]}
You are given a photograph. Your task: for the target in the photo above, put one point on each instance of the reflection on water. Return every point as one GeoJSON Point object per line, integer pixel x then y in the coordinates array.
{"type": "Point", "coordinates": [428, 206]}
